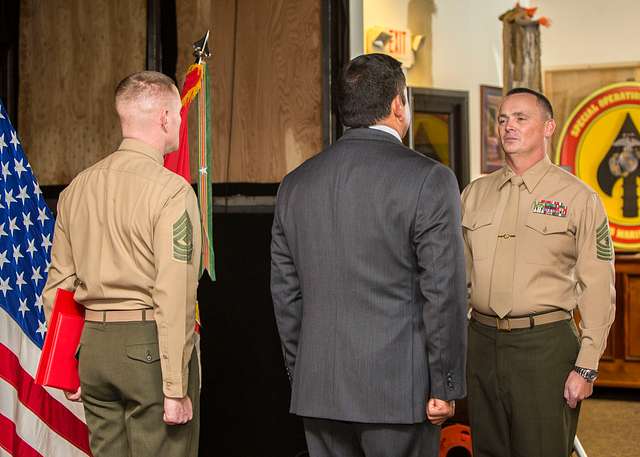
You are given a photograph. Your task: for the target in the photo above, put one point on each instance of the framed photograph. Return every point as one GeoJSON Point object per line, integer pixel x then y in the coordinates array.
{"type": "Point", "coordinates": [439, 128]}
{"type": "Point", "coordinates": [491, 154]}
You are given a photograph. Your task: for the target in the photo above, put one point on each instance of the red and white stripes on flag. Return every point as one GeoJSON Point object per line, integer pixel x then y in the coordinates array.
{"type": "Point", "coordinates": [34, 420]}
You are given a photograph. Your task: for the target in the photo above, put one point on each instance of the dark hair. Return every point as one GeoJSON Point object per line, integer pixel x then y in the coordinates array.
{"type": "Point", "coordinates": [368, 85]}
{"type": "Point", "coordinates": [543, 101]}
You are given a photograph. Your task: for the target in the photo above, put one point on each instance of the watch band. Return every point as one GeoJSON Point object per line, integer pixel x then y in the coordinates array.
{"type": "Point", "coordinates": [587, 373]}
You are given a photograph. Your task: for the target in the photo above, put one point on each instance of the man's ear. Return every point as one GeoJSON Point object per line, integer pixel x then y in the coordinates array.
{"type": "Point", "coordinates": [549, 128]}
{"type": "Point", "coordinates": [397, 107]}
{"type": "Point", "coordinates": [164, 119]}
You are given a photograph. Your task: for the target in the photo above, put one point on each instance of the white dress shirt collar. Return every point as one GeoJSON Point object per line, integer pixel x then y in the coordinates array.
{"type": "Point", "coordinates": [389, 130]}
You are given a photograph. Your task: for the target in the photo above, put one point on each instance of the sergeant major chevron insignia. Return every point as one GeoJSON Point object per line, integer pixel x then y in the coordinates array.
{"type": "Point", "coordinates": [604, 249]}
{"type": "Point", "coordinates": [183, 239]}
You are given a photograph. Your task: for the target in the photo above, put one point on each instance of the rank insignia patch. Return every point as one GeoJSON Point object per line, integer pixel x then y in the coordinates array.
{"type": "Point", "coordinates": [183, 239]}
{"type": "Point", "coordinates": [604, 249]}
{"type": "Point", "coordinates": [550, 208]}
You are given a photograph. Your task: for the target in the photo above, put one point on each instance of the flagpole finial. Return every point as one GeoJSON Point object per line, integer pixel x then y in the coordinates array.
{"type": "Point", "coordinates": [201, 48]}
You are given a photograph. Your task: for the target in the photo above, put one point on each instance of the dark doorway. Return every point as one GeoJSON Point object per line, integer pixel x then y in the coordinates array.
{"type": "Point", "coordinates": [9, 34]}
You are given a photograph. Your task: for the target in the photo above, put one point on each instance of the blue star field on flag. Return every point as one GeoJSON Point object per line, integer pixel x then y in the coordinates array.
{"type": "Point", "coordinates": [26, 236]}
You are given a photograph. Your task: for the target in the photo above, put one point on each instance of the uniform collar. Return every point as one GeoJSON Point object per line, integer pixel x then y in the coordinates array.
{"type": "Point", "coordinates": [531, 177]}
{"type": "Point", "coordinates": [130, 144]}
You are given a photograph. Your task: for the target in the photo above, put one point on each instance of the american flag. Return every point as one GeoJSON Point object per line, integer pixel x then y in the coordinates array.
{"type": "Point", "coordinates": [34, 421]}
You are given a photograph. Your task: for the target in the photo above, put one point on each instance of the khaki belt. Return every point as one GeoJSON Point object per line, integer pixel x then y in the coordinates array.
{"type": "Point", "coordinates": [113, 315]}
{"type": "Point", "coordinates": [511, 323]}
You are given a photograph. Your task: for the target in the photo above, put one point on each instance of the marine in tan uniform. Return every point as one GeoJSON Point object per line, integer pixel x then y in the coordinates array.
{"type": "Point", "coordinates": [127, 240]}
{"type": "Point", "coordinates": [537, 247]}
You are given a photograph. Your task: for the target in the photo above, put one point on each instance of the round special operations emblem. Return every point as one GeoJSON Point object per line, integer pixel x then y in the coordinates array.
{"type": "Point", "coordinates": [600, 143]}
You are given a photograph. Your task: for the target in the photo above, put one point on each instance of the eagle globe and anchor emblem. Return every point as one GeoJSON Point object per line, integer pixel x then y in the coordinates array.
{"type": "Point", "coordinates": [621, 162]}
{"type": "Point", "coordinates": [600, 143]}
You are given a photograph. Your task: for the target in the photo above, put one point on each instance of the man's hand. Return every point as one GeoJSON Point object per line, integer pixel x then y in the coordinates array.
{"type": "Point", "coordinates": [439, 411]}
{"type": "Point", "coordinates": [576, 389]}
{"type": "Point", "coordinates": [73, 396]}
{"type": "Point", "coordinates": [177, 410]}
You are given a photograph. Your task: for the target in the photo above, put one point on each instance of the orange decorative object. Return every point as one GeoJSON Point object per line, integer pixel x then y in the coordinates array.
{"type": "Point", "coordinates": [453, 436]}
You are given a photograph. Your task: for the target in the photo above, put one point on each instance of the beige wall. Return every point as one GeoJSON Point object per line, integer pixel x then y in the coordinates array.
{"type": "Point", "coordinates": [586, 32]}
{"type": "Point", "coordinates": [467, 52]}
{"type": "Point", "coordinates": [467, 42]}
{"type": "Point", "coordinates": [412, 15]}
{"type": "Point", "coordinates": [466, 48]}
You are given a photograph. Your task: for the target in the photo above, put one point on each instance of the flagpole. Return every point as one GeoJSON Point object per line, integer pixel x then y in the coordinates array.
{"type": "Point", "coordinates": [205, 165]}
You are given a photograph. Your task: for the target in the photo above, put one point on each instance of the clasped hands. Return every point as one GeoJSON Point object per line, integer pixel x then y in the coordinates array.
{"type": "Point", "coordinates": [438, 411]}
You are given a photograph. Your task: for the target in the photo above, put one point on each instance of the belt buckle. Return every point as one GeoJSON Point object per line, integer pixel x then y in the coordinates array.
{"type": "Point", "coordinates": [500, 324]}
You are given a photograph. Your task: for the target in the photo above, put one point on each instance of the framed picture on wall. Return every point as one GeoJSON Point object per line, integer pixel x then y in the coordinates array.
{"type": "Point", "coordinates": [490, 152]}
{"type": "Point", "coordinates": [440, 128]}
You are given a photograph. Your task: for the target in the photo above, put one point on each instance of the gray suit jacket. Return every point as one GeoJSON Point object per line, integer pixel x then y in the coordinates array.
{"type": "Point", "coordinates": [368, 281]}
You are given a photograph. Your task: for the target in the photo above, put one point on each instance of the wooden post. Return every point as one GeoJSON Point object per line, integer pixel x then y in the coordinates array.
{"type": "Point", "coordinates": [521, 49]}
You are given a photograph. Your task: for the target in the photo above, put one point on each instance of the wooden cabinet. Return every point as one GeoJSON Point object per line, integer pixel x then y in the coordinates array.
{"type": "Point", "coordinates": [620, 363]}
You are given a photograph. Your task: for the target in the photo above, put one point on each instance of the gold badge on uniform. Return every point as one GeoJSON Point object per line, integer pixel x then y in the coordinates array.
{"type": "Point", "coordinates": [604, 250]}
{"type": "Point", "coordinates": [183, 239]}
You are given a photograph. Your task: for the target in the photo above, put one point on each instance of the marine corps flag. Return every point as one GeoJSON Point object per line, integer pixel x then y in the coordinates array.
{"type": "Point", "coordinates": [196, 85]}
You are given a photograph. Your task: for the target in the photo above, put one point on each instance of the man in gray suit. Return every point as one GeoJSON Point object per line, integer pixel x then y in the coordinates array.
{"type": "Point", "coordinates": [368, 280]}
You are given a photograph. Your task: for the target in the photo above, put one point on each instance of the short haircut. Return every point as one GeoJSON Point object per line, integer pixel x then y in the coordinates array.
{"type": "Point", "coordinates": [142, 86]}
{"type": "Point", "coordinates": [368, 85]}
{"type": "Point", "coordinates": [543, 101]}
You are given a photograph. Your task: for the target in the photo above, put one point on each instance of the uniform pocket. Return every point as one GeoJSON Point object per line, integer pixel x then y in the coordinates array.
{"type": "Point", "coordinates": [146, 352]}
{"type": "Point", "coordinates": [478, 226]}
{"type": "Point", "coordinates": [546, 239]}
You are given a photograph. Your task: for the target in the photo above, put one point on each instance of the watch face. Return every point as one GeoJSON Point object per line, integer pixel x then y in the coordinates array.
{"type": "Point", "coordinates": [589, 375]}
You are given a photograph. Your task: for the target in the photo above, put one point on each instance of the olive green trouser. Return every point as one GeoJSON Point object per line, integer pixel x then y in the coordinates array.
{"type": "Point", "coordinates": [516, 390]}
{"type": "Point", "coordinates": [122, 394]}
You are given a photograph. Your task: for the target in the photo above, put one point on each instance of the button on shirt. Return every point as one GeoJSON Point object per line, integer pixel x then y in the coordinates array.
{"type": "Point", "coordinates": [128, 236]}
{"type": "Point", "coordinates": [563, 255]}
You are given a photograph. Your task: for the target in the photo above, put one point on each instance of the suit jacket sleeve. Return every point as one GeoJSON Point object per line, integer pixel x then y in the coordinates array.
{"type": "Point", "coordinates": [285, 290]}
{"type": "Point", "coordinates": [467, 249]}
{"type": "Point", "coordinates": [440, 255]}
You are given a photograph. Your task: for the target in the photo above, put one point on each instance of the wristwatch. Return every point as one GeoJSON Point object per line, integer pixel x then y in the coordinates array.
{"type": "Point", "coordinates": [587, 373]}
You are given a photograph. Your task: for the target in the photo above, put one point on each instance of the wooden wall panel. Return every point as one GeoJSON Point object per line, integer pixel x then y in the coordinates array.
{"type": "Point", "coordinates": [566, 88]}
{"type": "Point", "coordinates": [632, 319]}
{"type": "Point", "coordinates": [72, 55]}
{"type": "Point", "coordinates": [620, 365]}
{"type": "Point", "coordinates": [272, 122]}
{"type": "Point", "coordinates": [194, 18]}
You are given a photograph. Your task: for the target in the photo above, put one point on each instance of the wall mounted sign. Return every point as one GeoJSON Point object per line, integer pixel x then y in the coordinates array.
{"type": "Point", "coordinates": [399, 44]}
{"type": "Point", "coordinates": [600, 143]}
